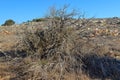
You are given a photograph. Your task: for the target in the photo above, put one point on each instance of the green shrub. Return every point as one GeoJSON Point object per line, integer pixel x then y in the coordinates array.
{"type": "Point", "coordinates": [38, 20]}
{"type": "Point", "coordinates": [8, 22]}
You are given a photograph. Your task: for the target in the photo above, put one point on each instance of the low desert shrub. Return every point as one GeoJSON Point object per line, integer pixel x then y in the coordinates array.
{"type": "Point", "coordinates": [38, 20]}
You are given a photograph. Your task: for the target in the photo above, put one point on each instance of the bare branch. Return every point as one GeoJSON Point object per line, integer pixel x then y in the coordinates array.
{"type": "Point", "coordinates": [63, 16]}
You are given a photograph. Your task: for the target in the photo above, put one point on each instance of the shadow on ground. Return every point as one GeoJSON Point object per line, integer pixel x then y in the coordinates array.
{"type": "Point", "coordinates": [102, 67]}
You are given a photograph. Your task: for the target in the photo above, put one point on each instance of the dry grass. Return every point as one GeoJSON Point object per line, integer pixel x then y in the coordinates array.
{"type": "Point", "coordinates": [57, 53]}
{"type": "Point", "coordinates": [5, 73]}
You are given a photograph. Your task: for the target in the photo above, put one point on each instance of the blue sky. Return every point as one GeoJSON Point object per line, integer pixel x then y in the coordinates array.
{"type": "Point", "coordinates": [23, 10]}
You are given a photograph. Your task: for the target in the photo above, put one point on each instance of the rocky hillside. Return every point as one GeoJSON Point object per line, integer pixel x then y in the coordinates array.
{"type": "Point", "coordinates": [87, 50]}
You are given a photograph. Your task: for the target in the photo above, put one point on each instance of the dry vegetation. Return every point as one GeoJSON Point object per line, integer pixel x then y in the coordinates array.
{"type": "Point", "coordinates": [69, 53]}
{"type": "Point", "coordinates": [86, 50]}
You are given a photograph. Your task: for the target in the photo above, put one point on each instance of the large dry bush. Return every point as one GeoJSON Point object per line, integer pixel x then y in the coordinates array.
{"type": "Point", "coordinates": [52, 49]}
